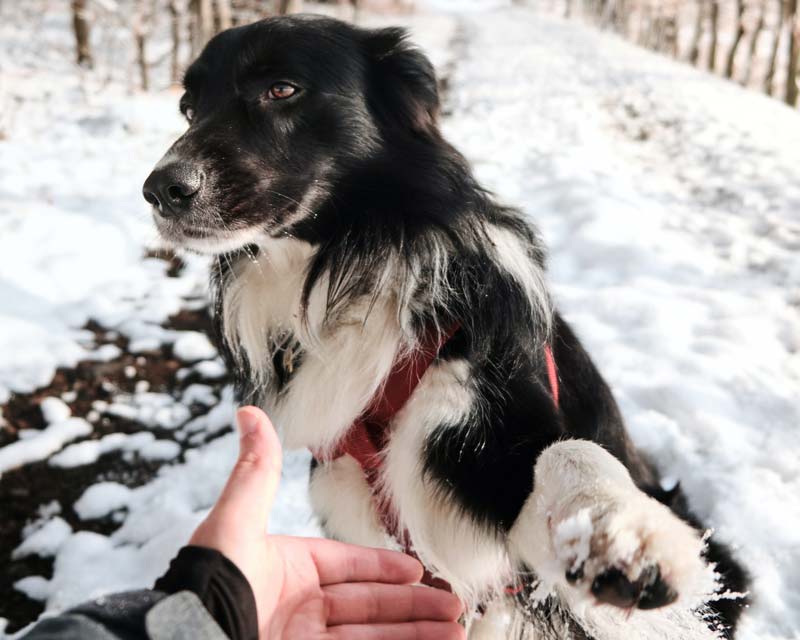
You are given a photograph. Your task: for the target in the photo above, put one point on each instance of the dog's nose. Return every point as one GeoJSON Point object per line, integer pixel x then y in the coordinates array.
{"type": "Point", "coordinates": [170, 189]}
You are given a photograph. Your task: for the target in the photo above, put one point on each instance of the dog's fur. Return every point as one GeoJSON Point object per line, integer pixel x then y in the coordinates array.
{"type": "Point", "coordinates": [346, 228]}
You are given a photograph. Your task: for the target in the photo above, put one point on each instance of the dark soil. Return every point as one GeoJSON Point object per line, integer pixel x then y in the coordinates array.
{"type": "Point", "coordinates": [24, 490]}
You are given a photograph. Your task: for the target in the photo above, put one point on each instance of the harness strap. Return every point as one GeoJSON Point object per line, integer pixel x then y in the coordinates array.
{"type": "Point", "coordinates": [369, 435]}
{"type": "Point", "coordinates": [552, 372]}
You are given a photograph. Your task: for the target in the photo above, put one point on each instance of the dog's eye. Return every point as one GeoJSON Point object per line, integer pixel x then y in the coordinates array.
{"type": "Point", "coordinates": [188, 112]}
{"type": "Point", "coordinates": [281, 91]}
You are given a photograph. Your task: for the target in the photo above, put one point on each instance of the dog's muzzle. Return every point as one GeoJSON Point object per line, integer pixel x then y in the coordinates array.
{"type": "Point", "coordinates": [172, 188]}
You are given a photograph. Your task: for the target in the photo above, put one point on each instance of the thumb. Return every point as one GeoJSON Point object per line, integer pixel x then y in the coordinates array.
{"type": "Point", "coordinates": [250, 491]}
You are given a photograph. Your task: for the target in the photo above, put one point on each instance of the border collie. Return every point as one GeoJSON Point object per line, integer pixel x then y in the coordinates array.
{"type": "Point", "coordinates": [347, 233]}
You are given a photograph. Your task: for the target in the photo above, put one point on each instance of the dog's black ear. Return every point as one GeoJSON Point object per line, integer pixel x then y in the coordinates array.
{"type": "Point", "coordinates": [403, 92]}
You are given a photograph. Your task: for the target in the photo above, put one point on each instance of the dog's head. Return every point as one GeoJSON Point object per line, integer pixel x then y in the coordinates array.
{"type": "Point", "coordinates": [278, 112]}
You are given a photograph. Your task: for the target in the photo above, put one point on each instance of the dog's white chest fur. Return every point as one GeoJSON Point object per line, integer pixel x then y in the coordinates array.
{"type": "Point", "coordinates": [342, 367]}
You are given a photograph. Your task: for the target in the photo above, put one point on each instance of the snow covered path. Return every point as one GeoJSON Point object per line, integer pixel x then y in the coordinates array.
{"type": "Point", "coordinates": [670, 201]}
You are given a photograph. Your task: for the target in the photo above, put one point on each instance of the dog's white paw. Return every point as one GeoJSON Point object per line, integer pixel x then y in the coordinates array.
{"type": "Point", "coordinates": [588, 531]}
{"type": "Point", "coordinates": [629, 550]}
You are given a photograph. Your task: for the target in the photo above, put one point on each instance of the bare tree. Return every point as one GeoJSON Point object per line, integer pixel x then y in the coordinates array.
{"type": "Point", "coordinates": [772, 62]}
{"type": "Point", "coordinates": [712, 49]}
{"type": "Point", "coordinates": [657, 24]}
{"type": "Point", "coordinates": [669, 32]}
{"type": "Point", "coordinates": [175, 13]}
{"type": "Point", "coordinates": [285, 7]}
{"type": "Point", "coordinates": [141, 26]}
{"type": "Point", "coordinates": [793, 36]}
{"type": "Point", "coordinates": [244, 11]}
{"type": "Point", "coordinates": [737, 39]}
{"type": "Point", "coordinates": [645, 25]}
{"type": "Point", "coordinates": [81, 28]}
{"type": "Point", "coordinates": [224, 14]}
{"type": "Point", "coordinates": [697, 33]}
{"type": "Point", "coordinates": [202, 23]}
{"type": "Point", "coordinates": [656, 37]}
{"type": "Point", "coordinates": [608, 13]}
{"type": "Point", "coordinates": [622, 22]}
{"type": "Point", "coordinates": [752, 50]}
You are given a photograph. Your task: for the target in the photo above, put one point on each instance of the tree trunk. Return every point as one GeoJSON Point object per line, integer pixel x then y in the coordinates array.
{"type": "Point", "coordinates": [791, 91]}
{"type": "Point", "coordinates": [224, 14]}
{"type": "Point", "coordinates": [712, 53]}
{"type": "Point", "coordinates": [194, 29]}
{"type": "Point", "coordinates": [697, 34]}
{"type": "Point", "coordinates": [175, 29]}
{"type": "Point", "coordinates": [202, 24]}
{"type": "Point", "coordinates": [81, 28]}
{"type": "Point", "coordinates": [622, 23]}
{"type": "Point", "coordinates": [645, 26]}
{"type": "Point", "coordinates": [140, 25]}
{"type": "Point", "coordinates": [752, 50]}
{"type": "Point", "coordinates": [731, 60]}
{"type": "Point", "coordinates": [609, 15]}
{"type": "Point", "coordinates": [654, 39]}
{"type": "Point", "coordinates": [671, 34]}
{"type": "Point", "coordinates": [286, 7]}
{"type": "Point", "coordinates": [772, 64]}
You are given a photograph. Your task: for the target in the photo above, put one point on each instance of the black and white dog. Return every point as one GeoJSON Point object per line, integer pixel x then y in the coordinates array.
{"type": "Point", "coordinates": [347, 232]}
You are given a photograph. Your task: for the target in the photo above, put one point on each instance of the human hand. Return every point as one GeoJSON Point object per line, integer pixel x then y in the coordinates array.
{"type": "Point", "coordinates": [309, 588]}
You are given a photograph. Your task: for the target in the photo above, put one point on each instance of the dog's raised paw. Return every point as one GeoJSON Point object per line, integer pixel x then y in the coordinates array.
{"type": "Point", "coordinates": [648, 591]}
{"type": "Point", "coordinates": [630, 553]}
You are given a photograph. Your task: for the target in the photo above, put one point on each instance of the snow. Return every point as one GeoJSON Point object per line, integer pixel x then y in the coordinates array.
{"type": "Point", "coordinates": [101, 499]}
{"type": "Point", "coordinates": [572, 538]}
{"type": "Point", "coordinates": [220, 417]}
{"type": "Point", "coordinates": [208, 370]}
{"type": "Point", "coordinates": [673, 251]}
{"type": "Point", "coordinates": [669, 199]}
{"type": "Point", "coordinates": [35, 587]}
{"type": "Point", "coordinates": [160, 450]}
{"type": "Point", "coordinates": [151, 409]}
{"type": "Point", "coordinates": [54, 410]}
{"type": "Point", "coordinates": [42, 443]}
{"type": "Point", "coordinates": [89, 451]}
{"type": "Point", "coordinates": [74, 227]}
{"type": "Point", "coordinates": [199, 394]}
{"type": "Point", "coordinates": [44, 540]}
{"type": "Point", "coordinates": [192, 346]}
{"type": "Point", "coordinates": [104, 353]}
{"type": "Point", "coordinates": [85, 452]}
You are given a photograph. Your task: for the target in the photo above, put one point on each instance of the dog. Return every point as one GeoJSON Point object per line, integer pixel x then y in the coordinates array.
{"type": "Point", "coordinates": [353, 243]}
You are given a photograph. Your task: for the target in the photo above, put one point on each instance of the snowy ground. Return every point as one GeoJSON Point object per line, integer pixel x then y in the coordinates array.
{"type": "Point", "coordinates": [670, 201]}
{"type": "Point", "coordinates": [671, 204]}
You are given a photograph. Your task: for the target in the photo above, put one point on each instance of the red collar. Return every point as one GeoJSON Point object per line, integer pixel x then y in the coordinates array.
{"type": "Point", "coordinates": [367, 437]}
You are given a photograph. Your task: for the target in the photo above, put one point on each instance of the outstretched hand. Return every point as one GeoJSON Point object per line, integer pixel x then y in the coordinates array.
{"type": "Point", "coordinates": [308, 588]}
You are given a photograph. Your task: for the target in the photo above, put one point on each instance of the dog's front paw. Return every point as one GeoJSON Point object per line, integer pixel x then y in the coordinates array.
{"type": "Point", "coordinates": [630, 552]}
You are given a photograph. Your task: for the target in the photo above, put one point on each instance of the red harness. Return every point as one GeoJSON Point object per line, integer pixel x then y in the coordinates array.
{"type": "Point", "coordinates": [369, 435]}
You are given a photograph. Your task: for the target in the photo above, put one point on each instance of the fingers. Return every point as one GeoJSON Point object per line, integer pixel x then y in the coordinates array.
{"type": "Point", "coordinates": [338, 562]}
{"type": "Point", "coordinates": [365, 602]}
{"type": "Point", "coordinates": [250, 491]}
{"type": "Point", "coordinates": [401, 631]}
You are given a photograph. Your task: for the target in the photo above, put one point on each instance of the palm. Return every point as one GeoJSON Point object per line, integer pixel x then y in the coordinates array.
{"type": "Point", "coordinates": [314, 589]}
{"type": "Point", "coordinates": [332, 591]}
{"type": "Point", "coordinates": [300, 600]}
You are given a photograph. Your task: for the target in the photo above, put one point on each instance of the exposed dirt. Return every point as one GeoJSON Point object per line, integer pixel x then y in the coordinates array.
{"type": "Point", "coordinates": [24, 490]}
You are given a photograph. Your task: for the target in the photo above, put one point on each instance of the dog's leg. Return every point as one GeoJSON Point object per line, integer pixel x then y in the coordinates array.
{"type": "Point", "coordinates": [343, 502]}
{"type": "Point", "coordinates": [587, 530]}
{"type": "Point", "coordinates": [495, 622]}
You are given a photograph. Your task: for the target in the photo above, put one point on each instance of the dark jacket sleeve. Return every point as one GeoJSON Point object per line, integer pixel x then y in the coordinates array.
{"type": "Point", "coordinates": [219, 584]}
{"type": "Point", "coordinates": [203, 596]}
